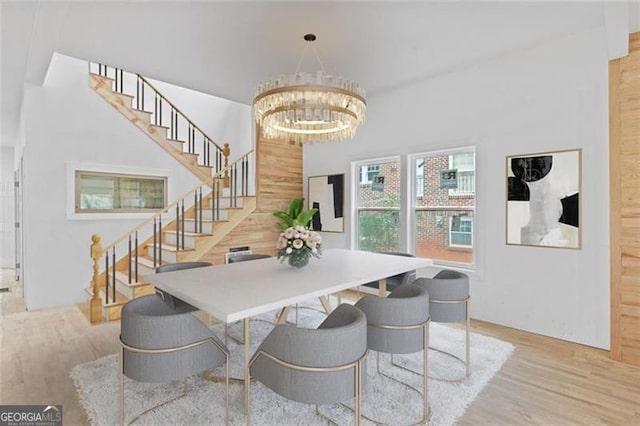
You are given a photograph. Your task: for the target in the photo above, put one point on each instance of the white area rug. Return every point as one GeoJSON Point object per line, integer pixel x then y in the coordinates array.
{"type": "Point", "coordinates": [383, 400]}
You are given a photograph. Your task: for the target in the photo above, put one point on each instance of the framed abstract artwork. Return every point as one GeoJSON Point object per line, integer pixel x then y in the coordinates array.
{"type": "Point", "coordinates": [326, 193]}
{"type": "Point", "coordinates": [543, 199]}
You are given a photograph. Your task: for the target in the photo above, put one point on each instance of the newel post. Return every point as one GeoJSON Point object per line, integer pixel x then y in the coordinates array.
{"type": "Point", "coordinates": [226, 151]}
{"type": "Point", "coordinates": [96, 302]}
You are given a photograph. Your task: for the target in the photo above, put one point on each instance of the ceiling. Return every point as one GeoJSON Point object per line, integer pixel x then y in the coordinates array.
{"type": "Point", "coordinates": [225, 48]}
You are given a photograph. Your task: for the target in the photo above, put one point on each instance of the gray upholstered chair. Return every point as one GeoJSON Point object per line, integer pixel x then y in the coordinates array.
{"type": "Point", "coordinates": [316, 366]}
{"type": "Point", "coordinates": [449, 302]}
{"type": "Point", "coordinates": [399, 324]}
{"type": "Point", "coordinates": [396, 280]}
{"type": "Point", "coordinates": [248, 257]}
{"type": "Point", "coordinates": [160, 345]}
{"type": "Point", "coordinates": [175, 303]}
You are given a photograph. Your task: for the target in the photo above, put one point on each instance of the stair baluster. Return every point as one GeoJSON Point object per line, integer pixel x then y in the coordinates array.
{"type": "Point", "coordinates": [201, 208]}
{"type": "Point", "coordinates": [160, 240]}
{"type": "Point", "coordinates": [113, 277]}
{"type": "Point", "coordinates": [106, 277]}
{"type": "Point", "coordinates": [182, 225]}
{"type": "Point", "coordinates": [129, 260]}
{"type": "Point", "coordinates": [136, 255]}
{"type": "Point", "coordinates": [155, 243]}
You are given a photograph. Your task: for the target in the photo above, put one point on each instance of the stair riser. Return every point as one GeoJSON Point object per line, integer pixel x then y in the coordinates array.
{"type": "Point", "coordinates": [225, 203]}
{"type": "Point", "coordinates": [207, 214]}
{"type": "Point", "coordinates": [169, 256]}
{"type": "Point", "coordinates": [189, 241]}
{"type": "Point", "coordinates": [111, 313]}
{"type": "Point", "coordinates": [135, 291]}
{"type": "Point", "coordinates": [207, 227]}
{"type": "Point", "coordinates": [143, 270]}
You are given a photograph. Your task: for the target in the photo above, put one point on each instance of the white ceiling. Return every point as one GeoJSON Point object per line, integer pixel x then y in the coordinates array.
{"type": "Point", "coordinates": [225, 48]}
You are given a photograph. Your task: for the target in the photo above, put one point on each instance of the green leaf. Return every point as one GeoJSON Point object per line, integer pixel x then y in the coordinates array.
{"type": "Point", "coordinates": [295, 207]}
{"type": "Point", "coordinates": [286, 219]}
{"type": "Point", "coordinates": [305, 217]}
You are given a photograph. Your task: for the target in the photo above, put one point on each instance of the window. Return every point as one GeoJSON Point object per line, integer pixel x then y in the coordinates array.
{"type": "Point", "coordinates": [368, 172]}
{"type": "Point", "coordinates": [443, 209]}
{"type": "Point", "coordinates": [461, 231]}
{"type": "Point", "coordinates": [98, 192]}
{"type": "Point", "coordinates": [378, 205]}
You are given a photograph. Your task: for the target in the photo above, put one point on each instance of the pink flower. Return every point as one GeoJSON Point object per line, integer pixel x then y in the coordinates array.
{"type": "Point", "coordinates": [297, 244]}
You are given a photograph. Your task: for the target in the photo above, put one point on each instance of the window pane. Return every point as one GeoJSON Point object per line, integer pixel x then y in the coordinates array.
{"type": "Point", "coordinates": [439, 235]}
{"type": "Point", "coordinates": [97, 191]}
{"type": "Point", "coordinates": [444, 204]}
{"type": "Point", "coordinates": [381, 188]}
{"type": "Point", "coordinates": [463, 161]}
{"type": "Point", "coordinates": [378, 230]}
{"type": "Point", "coordinates": [432, 191]}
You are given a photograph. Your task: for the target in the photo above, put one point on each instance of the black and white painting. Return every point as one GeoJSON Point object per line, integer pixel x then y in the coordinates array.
{"type": "Point", "coordinates": [326, 193]}
{"type": "Point", "coordinates": [543, 199]}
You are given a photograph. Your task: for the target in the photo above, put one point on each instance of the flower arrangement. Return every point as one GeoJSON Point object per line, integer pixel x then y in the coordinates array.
{"type": "Point", "coordinates": [298, 244]}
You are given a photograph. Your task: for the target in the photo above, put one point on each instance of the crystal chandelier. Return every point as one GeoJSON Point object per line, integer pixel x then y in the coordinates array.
{"type": "Point", "coordinates": [305, 108]}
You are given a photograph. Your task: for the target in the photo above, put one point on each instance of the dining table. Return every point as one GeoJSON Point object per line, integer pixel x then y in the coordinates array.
{"type": "Point", "coordinates": [239, 291]}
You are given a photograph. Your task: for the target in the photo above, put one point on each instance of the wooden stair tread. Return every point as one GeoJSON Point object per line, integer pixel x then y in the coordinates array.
{"type": "Point", "coordinates": [189, 234]}
{"type": "Point", "coordinates": [124, 279]}
{"type": "Point", "coordinates": [121, 299]}
{"type": "Point", "coordinates": [146, 261]}
{"type": "Point", "coordinates": [191, 219]}
{"type": "Point", "coordinates": [159, 126]}
{"type": "Point", "coordinates": [169, 247]}
{"type": "Point", "coordinates": [175, 140]}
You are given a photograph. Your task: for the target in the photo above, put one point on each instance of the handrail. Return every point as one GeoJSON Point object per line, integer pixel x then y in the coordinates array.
{"type": "Point", "coordinates": [155, 216]}
{"type": "Point", "coordinates": [177, 116]}
{"type": "Point", "coordinates": [219, 175]}
{"type": "Point", "coordinates": [230, 166]}
{"type": "Point", "coordinates": [178, 110]}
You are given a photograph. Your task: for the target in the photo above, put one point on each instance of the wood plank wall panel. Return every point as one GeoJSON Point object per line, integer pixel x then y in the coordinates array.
{"type": "Point", "coordinates": [279, 180]}
{"type": "Point", "coordinates": [624, 146]}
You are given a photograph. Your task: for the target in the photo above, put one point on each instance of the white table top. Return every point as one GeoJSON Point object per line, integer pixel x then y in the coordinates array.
{"type": "Point", "coordinates": [240, 290]}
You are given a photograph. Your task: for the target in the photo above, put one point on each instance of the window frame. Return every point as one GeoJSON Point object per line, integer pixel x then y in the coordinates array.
{"type": "Point", "coordinates": [78, 173]}
{"type": "Point", "coordinates": [356, 185]}
{"type": "Point", "coordinates": [412, 229]}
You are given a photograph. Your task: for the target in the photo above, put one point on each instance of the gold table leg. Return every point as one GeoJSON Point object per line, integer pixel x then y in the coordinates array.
{"type": "Point", "coordinates": [283, 315]}
{"type": "Point", "coordinates": [325, 304]}
{"type": "Point", "coordinates": [382, 287]}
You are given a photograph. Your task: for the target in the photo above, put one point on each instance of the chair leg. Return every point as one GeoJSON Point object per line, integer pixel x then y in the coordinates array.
{"type": "Point", "coordinates": [468, 341]}
{"type": "Point", "coordinates": [121, 374]}
{"type": "Point", "coordinates": [226, 388]}
{"type": "Point", "coordinates": [358, 386]}
{"type": "Point", "coordinates": [425, 374]}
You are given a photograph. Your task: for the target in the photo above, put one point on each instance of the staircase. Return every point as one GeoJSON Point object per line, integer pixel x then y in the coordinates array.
{"type": "Point", "coordinates": [186, 229]}
{"type": "Point", "coordinates": [161, 120]}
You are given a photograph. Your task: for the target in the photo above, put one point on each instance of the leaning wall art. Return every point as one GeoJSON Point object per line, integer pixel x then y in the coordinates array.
{"type": "Point", "coordinates": [326, 193]}
{"type": "Point", "coordinates": [543, 199]}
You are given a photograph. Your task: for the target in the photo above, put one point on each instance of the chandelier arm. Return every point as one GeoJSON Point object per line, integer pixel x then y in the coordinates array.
{"type": "Point", "coordinates": [302, 58]}
{"type": "Point", "coordinates": [318, 58]}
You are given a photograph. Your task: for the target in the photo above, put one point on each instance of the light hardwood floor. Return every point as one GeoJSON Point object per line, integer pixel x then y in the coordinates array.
{"type": "Point", "coordinates": [546, 381]}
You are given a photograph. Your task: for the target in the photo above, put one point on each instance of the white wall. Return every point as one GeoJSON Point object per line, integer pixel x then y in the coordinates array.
{"type": "Point", "coordinates": [221, 119]}
{"type": "Point", "coordinates": [67, 124]}
{"type": "Point", "coordinates": [7, 227]}
{"type": "Point", "coordinates": [549, 97]}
